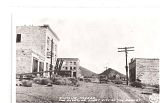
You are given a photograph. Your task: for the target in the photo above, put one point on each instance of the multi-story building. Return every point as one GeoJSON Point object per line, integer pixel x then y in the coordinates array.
{"type": "Point", "coordinates": [33, 48]}
{"type": "Point", "coordinates": [144, 69]}
{"type": "Point", "coordinates": [70, 67]}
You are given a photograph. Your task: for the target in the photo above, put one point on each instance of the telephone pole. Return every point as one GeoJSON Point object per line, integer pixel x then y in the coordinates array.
{"type": "Point", "coordinates": [51, 66]}
{"type": "Point", "coordinates": [126, 49]}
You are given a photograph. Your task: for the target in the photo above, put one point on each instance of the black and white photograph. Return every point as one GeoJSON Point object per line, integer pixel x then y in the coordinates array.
{"type": "Point", "coordinates": [86, 55]}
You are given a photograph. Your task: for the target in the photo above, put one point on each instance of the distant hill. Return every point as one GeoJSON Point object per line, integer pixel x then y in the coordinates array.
{"type": "Point", "coordinates": [111, 73]}
{"type": "Point", "coordinates": [87, 73]}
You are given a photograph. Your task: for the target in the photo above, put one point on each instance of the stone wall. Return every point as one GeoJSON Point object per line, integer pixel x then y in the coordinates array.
{"type": "Point", "coordinates": [34, 44]}
{"type": "Point", "coordinates": [23, 61]}
{"type": "Point", "coordinates": [147, 70]}
{"type": "Point", "coordinates": [49, 37]}
{"type": "Point", "coordinates": [33, 38]}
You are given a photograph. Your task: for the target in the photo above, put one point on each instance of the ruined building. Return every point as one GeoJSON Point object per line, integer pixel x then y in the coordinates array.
{"type": "Point", "coordinates": [70, 67]}
{"type": "Point", "coordinates": [33, 48]}
{"type": "Point", "coordinates": [144, 69]}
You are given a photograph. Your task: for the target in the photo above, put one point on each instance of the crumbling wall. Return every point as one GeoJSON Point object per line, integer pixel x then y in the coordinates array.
{"type": "Point", "coordinates": [23, 61]}
{"type": "Point", "coordinates": [147, 71]}
{"type": "Point", "coordinates": [50, 36]}
{"type": "Point", "coordinates": [33, 38]}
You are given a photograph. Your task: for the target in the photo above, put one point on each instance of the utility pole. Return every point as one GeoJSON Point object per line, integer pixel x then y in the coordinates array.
{"type": "Point", "coordinates": [106, 67]}
{"type": "Point", "coordinates": [56, 66]}
{"type": "Point", "coordinates": [126, 49]}
{"type": "Point", "coordinates": [51, 66]}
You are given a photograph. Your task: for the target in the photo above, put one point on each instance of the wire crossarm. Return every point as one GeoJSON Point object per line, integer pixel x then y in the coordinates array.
{"type": "Point", "coordinates": [126, 49]}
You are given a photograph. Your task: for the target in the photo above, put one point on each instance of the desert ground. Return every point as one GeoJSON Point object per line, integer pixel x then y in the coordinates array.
{"type": "Point", "coordinates": [85, 93]}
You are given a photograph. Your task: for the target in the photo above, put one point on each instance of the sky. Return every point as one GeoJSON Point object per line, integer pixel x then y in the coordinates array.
{"type": "Point", "coordinates": [94, 34]}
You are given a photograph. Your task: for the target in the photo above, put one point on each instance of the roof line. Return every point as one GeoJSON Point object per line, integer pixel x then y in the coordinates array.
{"type": "Point", "coordinates": [69, 58]}
{"type": "Point", "coordinates": [46, 25]}
{"type": "Point", "coordinates": [145, 58]}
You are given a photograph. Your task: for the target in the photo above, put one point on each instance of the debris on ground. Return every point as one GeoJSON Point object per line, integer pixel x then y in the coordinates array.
{"type": "Point", "coordinates": [42, 81]}
{"type": "Point", "coordinates": [147, 93]}
{"type": "Point", "coordinates": [49, 84]}
{"type": "Point", "coordinates": [27, 83]}
{"type": "Point", "coordinates": [137, 84]}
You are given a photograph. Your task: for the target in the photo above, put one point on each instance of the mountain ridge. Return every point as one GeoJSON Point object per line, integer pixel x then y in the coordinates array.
{"type": "Point", "coordinates": [111, 73]}
{"type": "Point", "coordinates": [86, 72]}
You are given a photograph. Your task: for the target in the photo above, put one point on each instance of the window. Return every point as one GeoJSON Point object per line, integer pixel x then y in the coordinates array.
{"type": "Point", "coordinates": [66, 68]}
{"type": "Point", "coordinates": [52, 46]}
{"type": "Point", "coordinates": [18, 39]}
{"type": "Point", "coordinates": [41, 68]}
{"type": "Point", "coordinates": [74, 63]}
{"type": "Point", "coordinates": [74, 68]}
{"type": "Point", "coordinates": [48, 40]}
{"type": "Point", "coordinates": [64, 63]}
{"type": "Point", "coordinates": [46, 66]}
{"type": "Point", "coordinates": [55, 47]}
{"type": "Point", "coordinates": [35, 65]}
{"type": "Point", "coordinates": [70, 68]}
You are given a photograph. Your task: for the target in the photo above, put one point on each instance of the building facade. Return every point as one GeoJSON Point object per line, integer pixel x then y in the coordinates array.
{"type": "Point", "coordinates": [70, 67]}
{"type": "Point", "coordinates": [33, 48]}
{"type": "Point", "coordinates": [144, 69]}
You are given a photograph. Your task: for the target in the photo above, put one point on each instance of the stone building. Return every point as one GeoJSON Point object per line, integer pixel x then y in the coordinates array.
{"type": "Point", "coordinates": [144, 69]}
{"type": "Point", "coordinates": [33, 48]}
{"type": "Point", "coordinates": [70, 67]}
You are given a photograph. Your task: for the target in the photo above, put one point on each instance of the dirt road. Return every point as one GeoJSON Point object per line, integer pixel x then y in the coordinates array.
{"type": "Point", "coordinates": [87, 92]}
{"type": "Point", "coordinates": [102, 93]}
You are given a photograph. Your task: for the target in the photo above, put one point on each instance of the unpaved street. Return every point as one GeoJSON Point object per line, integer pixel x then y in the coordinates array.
{"type": "Point", "coordinates": [87, 92]}
{"type": "Point", "coordinates": [107, 93]}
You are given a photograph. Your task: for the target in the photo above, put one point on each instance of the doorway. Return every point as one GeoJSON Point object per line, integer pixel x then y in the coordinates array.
{"type": "Point", "coordinates": [35, 65]}
{"type": "Point", "coordinates": [74, 74]}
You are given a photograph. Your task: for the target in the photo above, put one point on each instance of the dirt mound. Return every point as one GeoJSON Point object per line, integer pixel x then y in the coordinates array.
{"type": "Point", "coordinates": [27, 83]}
{"type": "Point", "coordinates": [57, 81]}
{"type": "Point", "coordinates": [65, 81]}
{"type": "Point", "coordinates": [43, 81]}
